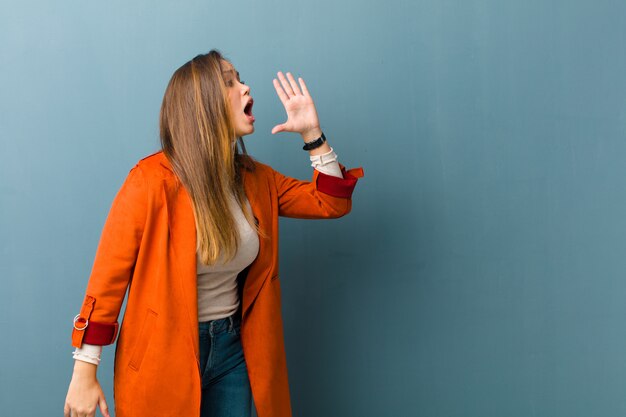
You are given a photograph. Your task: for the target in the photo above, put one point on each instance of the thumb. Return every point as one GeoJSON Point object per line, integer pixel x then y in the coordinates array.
{"type": "Point", "coordinates": [103, 406]}
{"type": "Point", "coordinates": [279, 128]}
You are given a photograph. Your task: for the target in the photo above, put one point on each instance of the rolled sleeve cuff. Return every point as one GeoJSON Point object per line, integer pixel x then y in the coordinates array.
{"type": "Point", "coordinates": [87, 331]}
{"type": "Point", "coordinates": [88, 353]}
{"type": "Point", "coordinates": [326, 163]}
{"type": "Point", "coordinates": [339, 187]}
{"type": "Point", "coordinates": [95, 333]}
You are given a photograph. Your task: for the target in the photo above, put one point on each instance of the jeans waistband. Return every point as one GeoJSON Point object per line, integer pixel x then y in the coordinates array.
{"type": "Point", "coordinates": [218, 325]}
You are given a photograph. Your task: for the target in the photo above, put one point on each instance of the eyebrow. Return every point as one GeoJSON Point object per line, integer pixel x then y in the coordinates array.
{"type": "Point", "coordinates": [231, 70]}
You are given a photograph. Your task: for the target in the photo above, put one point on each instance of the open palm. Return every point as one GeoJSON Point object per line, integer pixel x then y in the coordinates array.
{"type": "Point", "coordinates": [301, 113]}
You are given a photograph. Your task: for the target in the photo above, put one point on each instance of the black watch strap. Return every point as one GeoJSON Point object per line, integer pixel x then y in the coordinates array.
{"type": "Point", "coordinates": [315, 144]}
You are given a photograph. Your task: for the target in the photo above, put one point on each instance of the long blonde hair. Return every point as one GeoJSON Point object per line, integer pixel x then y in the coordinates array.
{"type": "Point", "coordinates": [198, 138]}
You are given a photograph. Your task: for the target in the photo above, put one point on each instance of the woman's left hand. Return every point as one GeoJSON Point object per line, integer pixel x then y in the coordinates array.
{"type": "Point", "coordinates": [301, 114]}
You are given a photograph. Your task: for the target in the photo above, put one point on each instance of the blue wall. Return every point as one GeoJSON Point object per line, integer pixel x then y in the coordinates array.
{"type": "Point", "coordinates": [481, 272]}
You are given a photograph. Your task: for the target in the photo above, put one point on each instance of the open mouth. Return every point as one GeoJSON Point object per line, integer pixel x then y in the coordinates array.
{"type": "Point", "coordinates": [248, 110]}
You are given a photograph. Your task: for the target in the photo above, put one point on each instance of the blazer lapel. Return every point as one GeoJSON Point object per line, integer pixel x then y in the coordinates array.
{"type": "Point", "coordinates": [261, 267]}
{"type": "Point", "coordinates": [181, 257]}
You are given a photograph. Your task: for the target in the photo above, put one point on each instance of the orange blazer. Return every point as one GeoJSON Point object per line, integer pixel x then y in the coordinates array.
{"type": "Point", "coordinates": [148, 247]}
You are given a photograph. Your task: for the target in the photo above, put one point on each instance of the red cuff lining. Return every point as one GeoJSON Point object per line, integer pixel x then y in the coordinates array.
{"type": "Point", "coordinates": [100, 333]}
{"type": "Point", "coordinates": [338, 187]}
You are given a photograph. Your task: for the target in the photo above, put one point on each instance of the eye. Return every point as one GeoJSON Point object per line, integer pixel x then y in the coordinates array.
{"type": "Point", "coordinates": [242, 82]}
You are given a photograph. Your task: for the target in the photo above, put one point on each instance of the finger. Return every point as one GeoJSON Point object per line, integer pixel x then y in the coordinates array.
{"type": "Point", "coordinates": [278, 128]}
{"type": "Point", "coordinates": [104, 409]}
{"type": "Point", "coordinates": [279, 90]}
{"type": "Point", "coordinates": [66, 411]}
{"type": "Point", "coordinates": [285, 84]}
{"type": "Point", "coordinates": [293, 84]}
{"type": "Point", "coordinates": [305, 91]}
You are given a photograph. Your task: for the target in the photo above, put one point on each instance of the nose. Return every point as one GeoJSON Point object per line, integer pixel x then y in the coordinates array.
{"type": "Point", "coordinates": [246, 89]}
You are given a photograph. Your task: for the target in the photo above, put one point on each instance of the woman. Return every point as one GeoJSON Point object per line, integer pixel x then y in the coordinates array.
{"type": "Point", "coordinates": [193, 235]}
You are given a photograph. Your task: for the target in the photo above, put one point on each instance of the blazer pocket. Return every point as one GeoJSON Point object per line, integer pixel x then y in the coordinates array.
{"type": "Point", "coordinates": [143, 340]}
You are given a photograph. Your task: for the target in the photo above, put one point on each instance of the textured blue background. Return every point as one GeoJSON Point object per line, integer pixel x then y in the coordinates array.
{"type": "Point", "coordinates": [481, 272]}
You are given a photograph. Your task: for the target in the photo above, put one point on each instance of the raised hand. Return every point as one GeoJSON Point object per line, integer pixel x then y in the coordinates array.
{"type": "Point", "coordinates": [301, 114]}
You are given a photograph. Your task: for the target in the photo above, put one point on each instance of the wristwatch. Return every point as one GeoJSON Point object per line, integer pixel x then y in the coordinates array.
{"type": "Point", "coordinates": [315, 144]}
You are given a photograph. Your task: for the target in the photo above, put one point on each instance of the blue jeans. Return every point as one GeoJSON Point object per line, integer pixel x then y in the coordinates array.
{"type": "Point", "coordinates": [225, 385]}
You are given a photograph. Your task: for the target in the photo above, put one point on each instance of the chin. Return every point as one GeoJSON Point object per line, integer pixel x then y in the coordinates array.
{"type": "Point", "coordinates": [246, 131]}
